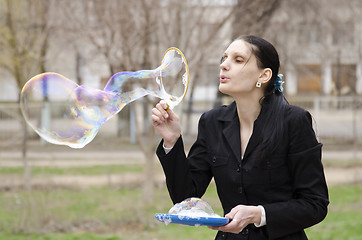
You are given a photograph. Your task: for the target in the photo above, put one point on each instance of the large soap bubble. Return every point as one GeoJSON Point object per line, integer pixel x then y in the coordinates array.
{"type": "Point", "coordinates": [65, 113]}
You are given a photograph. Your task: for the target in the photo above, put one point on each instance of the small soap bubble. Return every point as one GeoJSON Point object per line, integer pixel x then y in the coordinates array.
{"type": "Point", "coordinates": [193, 207]}
{"type": "Point", "coordinates": [65, 113]}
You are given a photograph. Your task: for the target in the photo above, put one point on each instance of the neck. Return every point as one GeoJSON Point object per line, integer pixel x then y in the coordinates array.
{"type": "Point", "coordinates": [248, 109]}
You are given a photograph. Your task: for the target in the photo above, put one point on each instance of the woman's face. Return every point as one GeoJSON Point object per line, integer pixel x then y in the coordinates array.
{"type": "Point", "coordinates": [239, 71]}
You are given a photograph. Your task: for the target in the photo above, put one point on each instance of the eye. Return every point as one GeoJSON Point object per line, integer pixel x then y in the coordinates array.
{"type": "Point", "coordinates": [222, 59]}
{"type": "Point", "coordinates": [239, 60]}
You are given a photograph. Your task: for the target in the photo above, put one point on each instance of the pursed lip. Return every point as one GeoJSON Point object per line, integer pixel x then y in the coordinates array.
{"type": "Point", "coordinates": [223, 79]}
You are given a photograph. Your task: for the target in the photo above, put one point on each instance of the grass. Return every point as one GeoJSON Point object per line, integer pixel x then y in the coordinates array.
{"type": "Point", "coordinates": [93, 213]}
{"type": "Point", "coordinates": [344, 217]}
{"type": "Point", "coordinates": [105, 213]}
{"type": "Point", "coordinates": [56, 236]}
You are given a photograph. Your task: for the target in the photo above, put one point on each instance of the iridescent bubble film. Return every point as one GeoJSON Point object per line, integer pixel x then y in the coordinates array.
{"type": "Point", "coordinates": [193, 207]}
{"type": "Point", "coordinates": [65, 113]}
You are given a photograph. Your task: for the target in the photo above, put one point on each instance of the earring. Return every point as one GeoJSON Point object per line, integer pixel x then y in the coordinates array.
{"type": "Point", "coordinates": [258, 84]}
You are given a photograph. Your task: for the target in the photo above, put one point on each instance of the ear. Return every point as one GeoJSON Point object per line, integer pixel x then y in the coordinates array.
{"type": "Point", "coordinates": [265, 75]}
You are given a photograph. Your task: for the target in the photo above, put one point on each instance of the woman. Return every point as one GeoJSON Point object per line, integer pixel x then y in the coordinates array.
{"type": "Point", "coordinates": [261, 151]}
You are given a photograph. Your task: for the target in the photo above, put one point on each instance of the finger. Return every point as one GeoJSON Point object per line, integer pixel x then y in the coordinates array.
{"type": "Point", "coordinates": [157, 113]}
{"type": "Point", "coordinates": [161, 108]}
{"type": "Point", "coordinates": [214, 228]}
{"type": "Point", "coordinates": [172, 115]}
{"type": "Point", "coordinates": [164, 105]}
{"type": "Point", "coordinates": [231, 227]}
{"type": "Point", "coordinates": [157, 116]}
{"type": "Point", "coordinates": [232, 213]}
{"type": "Point", "coordinates": [156, 120]}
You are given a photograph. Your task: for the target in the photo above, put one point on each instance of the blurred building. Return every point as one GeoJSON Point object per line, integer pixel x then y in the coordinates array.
{"type": "Point", "coordinates": [320, 45]}
{"type": "Point", "coordinates": [319, 42]}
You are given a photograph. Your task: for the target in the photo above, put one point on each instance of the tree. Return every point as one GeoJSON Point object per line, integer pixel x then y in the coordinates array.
{"type": "Point", "coordinates": [253, 16]}
{"type": "Point", "coordinates": [133, 35]}
{"type": "Point", "coordinates": [24, 27]}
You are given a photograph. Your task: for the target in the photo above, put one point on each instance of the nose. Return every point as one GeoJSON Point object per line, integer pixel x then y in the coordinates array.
{"type": "Point", "coordinates": [224, 65]}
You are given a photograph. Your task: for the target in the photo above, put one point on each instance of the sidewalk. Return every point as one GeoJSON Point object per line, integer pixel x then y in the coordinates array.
{"type": "Point", "coordinates": [342, 155]}
{"type": "Point", "coordinates": [130, 155]}
{"type": "Point", "coordinates": [77, 158]}
{"type": "Point", "coordinates": [72, 158]}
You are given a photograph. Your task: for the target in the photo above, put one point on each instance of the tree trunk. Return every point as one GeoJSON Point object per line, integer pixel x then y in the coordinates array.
{"type": "Point", "coordinates": [24, 149]}
{"type": "Point", "coordinates": [149, 175]}
{"type": "Point", "coordinates": [148, 149]}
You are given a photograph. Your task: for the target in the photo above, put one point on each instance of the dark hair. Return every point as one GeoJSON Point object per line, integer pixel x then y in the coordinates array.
{"type": "Point", "coordinates": [267, 57]}
{"type": "Point", "coordinates": [273, 102]}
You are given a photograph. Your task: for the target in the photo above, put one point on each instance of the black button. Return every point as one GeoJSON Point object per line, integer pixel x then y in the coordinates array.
{"type": "Point", "coordinates": [214, 159]}
{"type": "Point", "coordinates": [241, 190]}
{"type": "Point", "coordinates": [238, 170]}
{"type": "Point", "coordinates": [245, 231]}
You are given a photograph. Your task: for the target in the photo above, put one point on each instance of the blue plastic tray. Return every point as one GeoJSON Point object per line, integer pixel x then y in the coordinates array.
{"type": "Point", "coordinates": [191, 221]}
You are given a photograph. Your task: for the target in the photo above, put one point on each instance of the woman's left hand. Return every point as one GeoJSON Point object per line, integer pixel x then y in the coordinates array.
{"type": "Point", "coordinates": [240, 216]}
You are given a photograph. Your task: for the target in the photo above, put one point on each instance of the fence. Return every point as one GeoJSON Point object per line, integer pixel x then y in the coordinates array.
{"type": "Point", "coordinates": [336, 118]}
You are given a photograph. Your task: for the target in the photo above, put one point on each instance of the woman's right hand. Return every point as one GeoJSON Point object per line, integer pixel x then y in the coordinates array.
{"type": "Point", "coordinates": [166, 123]}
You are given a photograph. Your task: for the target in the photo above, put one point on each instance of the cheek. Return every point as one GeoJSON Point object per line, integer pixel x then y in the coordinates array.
{"type": "Point", "coordinates": [244, 81]}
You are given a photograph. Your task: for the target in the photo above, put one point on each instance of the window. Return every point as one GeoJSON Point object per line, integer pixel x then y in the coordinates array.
{"type": "Point", "coordinates": [309, 79]}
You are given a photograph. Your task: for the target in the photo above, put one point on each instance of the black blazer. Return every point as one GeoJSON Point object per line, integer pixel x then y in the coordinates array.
{"type": "Point", "coordinates": [290, 184]}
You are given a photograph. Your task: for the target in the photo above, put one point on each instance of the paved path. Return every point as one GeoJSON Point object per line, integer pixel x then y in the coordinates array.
{"type": "Point", "coordinates": [334, 176]}
{"type": "Point", "coordinates": [131, 154]}
{"type": "Point", "coordinates": [74, 158]}
{"type": "Point", "coordinates": [82, 181]}
{"type": "Point", "coordinates": [342, 176]}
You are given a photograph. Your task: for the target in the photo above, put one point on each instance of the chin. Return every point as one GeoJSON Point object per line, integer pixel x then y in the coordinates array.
{"type": "Point", "coordinates": [221, 88]}
{"type": "Point", "coordinates": [224, 90]}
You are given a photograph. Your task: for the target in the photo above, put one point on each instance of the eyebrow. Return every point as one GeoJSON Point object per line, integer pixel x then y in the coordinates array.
{"type": "Point", "coordinates": [239, 54]}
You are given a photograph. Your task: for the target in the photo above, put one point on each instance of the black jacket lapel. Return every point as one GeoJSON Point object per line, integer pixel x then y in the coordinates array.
{"type": "Point", "coordinates": [231, 129]}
